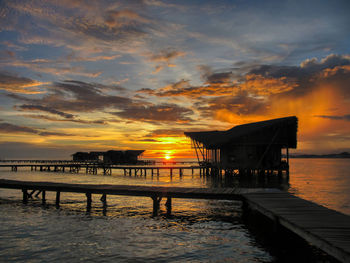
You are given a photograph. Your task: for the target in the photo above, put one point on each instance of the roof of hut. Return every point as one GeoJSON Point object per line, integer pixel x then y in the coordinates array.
{"type": "Point", "coordinates": [282, 131]}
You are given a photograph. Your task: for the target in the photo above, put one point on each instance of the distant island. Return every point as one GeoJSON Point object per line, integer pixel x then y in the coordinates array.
{"type": "Point", "coordinates": [332, 155]}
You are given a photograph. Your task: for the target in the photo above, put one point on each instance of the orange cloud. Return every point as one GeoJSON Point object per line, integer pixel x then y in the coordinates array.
{"type": "Point", "coordinates": [22, 85]}
{"type": "Point", "coordinates": [259, 85]}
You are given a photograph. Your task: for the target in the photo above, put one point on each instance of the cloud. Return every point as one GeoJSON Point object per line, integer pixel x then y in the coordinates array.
{"type": "Point", "coordinates": [27, 107]}
{"type": "Point", "coordinates": [13, 83]}
{"type": "Point", "coordinates": [165, 58]}
{"type": "Point", "coordinates": [156, 113]}
{"type": "Point", "coordinates": [166, 133]}
{"type": "Point", "coordinates": [77, 96]}
{"type": "Point", "coordinates": [124, 18]}
{"type": "Point", "coordinates": [53, 67]}
{"type": "Point", "coordinates": [335, 117]}
{"type": "Point", "coordinates": [216, 84]}
{"type": "Point", "coordinates": [12, 128]}
{"type": "Point", "coordinates": [299, 80]}
{"type": "Point", "coordinates": [48, 118]}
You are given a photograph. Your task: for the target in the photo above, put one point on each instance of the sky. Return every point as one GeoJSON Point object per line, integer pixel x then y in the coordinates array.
{"type": "Point", "coordinates": [80, 75]}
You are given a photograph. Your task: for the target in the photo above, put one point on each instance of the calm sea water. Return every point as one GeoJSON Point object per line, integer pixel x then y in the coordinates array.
{"type": "Point", "coordinates": [198, 231]}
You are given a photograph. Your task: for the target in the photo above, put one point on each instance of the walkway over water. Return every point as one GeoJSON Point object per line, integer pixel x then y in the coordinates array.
{"type": "Point", "coordinates": [322, 227]}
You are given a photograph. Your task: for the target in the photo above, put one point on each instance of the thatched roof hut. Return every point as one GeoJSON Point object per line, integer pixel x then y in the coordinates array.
{"type": "Point", "coordinates": [252, 146]}
{"type": "Point", "coordinates": [282, 131]}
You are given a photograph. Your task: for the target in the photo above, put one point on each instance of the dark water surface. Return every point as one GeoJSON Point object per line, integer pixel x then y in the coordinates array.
{"type": "Point", "coordinates": [198, 231]}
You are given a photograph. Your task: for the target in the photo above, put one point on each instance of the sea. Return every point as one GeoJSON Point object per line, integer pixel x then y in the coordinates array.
{"type": "Point", "coordinates": [197, 231]}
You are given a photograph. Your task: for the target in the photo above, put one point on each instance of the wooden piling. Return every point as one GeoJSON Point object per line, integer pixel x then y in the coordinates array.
{"type": "Point", "coordinates": [156, 202]}
{"type": "Point", "coordinates": [104, 200]}
{"type": "Point", "coordinates": [43, 197]}
{"type": "Point", "coordinates": [25, 196]}
{"type": "Point", "coordinates": [168, 206]}
{"type": "Point", "coordinates": [58, 194]}
{"type": "Point", "coordinates": [88, 202]}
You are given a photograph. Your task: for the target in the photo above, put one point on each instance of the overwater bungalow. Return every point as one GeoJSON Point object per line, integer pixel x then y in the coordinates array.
{"type": "Point", "coordinates": [248, 148]}
{"type": "Point", "coordinates": [109, 157]}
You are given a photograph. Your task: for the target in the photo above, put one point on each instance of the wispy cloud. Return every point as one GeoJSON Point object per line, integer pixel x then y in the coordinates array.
{"type": "Point", "coordinates": [6, 127]}
{"type": "Point", "coordinates": [335, 117]}
{"type": "Point", "coordinates": [156, 113]}
{"type": "Point", "coordinates": [165, 58]}
{"type": "Point", "coordinates": [13, 83]}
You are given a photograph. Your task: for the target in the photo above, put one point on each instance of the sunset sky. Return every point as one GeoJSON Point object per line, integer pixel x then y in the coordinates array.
{"type": "Point", "coordinates": [81, 75]}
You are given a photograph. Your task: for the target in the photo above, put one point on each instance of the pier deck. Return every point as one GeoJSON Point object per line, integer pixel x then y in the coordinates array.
{"type": "Point", "coordinates": [324, 228]}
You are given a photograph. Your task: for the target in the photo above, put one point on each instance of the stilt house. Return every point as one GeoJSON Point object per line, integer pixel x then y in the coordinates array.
{"type": "Point", "coordinates": [253, 146]}
{"type": "Point", "coordinates": [109, 157]}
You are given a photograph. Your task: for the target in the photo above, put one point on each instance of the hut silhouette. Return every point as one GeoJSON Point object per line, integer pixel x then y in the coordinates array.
{"type": "Point", "coordinates": [109, 157]}
{"type": "Point", "coordinates": [248, 148]}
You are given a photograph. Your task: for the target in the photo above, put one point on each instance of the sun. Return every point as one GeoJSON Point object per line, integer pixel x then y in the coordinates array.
{"type": "Point", "coordinates": [167, 156]}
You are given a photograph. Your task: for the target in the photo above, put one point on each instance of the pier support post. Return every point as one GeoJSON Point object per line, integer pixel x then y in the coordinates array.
{"type": "Point", "coordinates": [58, 195]}
{"type": "Point", "coordinates": [156, 202]}
{"type": "Point", "coordinates": [43, 197]}
{"type": "Point", "coordinates": [25, 196]}
{"type": "Point", "coordinates": [104, 200]}
{"type": "Point", "coordinates": [88, 202]}
{"type": "Point", "coordinates": [168, 206]}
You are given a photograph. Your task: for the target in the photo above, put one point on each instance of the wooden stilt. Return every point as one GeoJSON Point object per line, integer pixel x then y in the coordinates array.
{"type": "Point", "coordinates": [25, 196]}
{"type": "Point", "coordinates": [58, 194]}
{"type": "Point", "coordinates": [43, 197]}
{"type": "Point", "coordinates": [156, 202]}
{"type": "Point", "coordinates": [104, 200]}
{"type": "Point", "coordinates": [88, 202]}
{"type": "Point", "coordinates": [38, 193]}
{"type": "Point", "coordinates": [168, 206]}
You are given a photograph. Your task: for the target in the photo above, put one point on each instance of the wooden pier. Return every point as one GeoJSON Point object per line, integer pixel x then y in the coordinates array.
{"type": "Point", "coordinates": [156, 193]}
{"type": "Point", "coordinates": [322, 227]}
{"type": "Point", "coordinates": [137, 170]}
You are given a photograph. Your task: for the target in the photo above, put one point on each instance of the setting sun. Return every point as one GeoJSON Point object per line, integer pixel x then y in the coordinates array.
{"type": "Point", "coordinates": [167, 157]}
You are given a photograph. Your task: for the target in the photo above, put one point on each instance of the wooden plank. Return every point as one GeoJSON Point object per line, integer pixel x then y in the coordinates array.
{"type": "Point", "coordinates": [325, 228]}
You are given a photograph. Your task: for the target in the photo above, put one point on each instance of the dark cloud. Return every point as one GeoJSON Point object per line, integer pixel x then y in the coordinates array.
{"type": "Point", "coordinates": [166, 55]}
{"type": "Point", "coordinates": [76, 96]}
{"type": "Point", "coordinates": [335, 117]}
{"type": "Point", "coordinates": [216, 84]}
{"type": "Point", "coordinates": [166, 133]}
{"type": "Point", "coordinates": [240, 104]}
{"type": "Point", "coordinates": [27, 107]}
{"type": "Point", "coordinates": [14, 83]}
{"type": "Point", "coordinates": [44, 117]}
{"type": "Point", "coordinates": [154, 113]}
{"type": "Point", "coordinates": [302, 79]}
{"type": "Point", "coordinates": [12, 128]}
